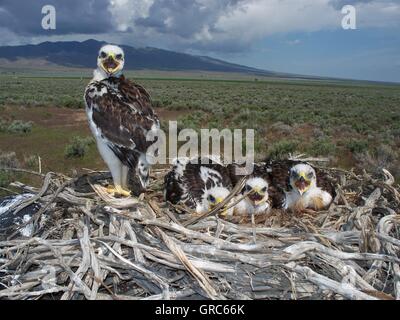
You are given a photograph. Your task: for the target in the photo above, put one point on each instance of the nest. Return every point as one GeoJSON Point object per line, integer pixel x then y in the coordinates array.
{"type": "Point", "coordinates": [95, 247]}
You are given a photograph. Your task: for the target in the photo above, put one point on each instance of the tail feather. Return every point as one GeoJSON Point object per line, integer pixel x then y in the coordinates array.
{"type": "Point", "coordinates": [138, 177]}
{"type": "Point", "coordinates": [135, 184]}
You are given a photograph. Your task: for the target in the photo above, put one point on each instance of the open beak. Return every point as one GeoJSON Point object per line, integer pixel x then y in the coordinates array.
{"type": "Point", "coordinates": [302, 184]}
{"type": "Point", "coordinates": [256, 196]}
{"type": "Point", "coordinates": [110, 64]}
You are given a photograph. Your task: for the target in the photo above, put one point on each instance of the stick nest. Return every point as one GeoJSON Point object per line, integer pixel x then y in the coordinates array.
{"type": "Point", "coordinates": [88, 246]}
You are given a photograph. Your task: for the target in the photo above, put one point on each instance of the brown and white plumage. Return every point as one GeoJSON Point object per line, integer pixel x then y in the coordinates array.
{"type": "Point", "coordinates": [256, 202]}
{"type": "Point", "coordinates": [257, 189]}
{"type": "Point", "coordinates": [120, 116]}
{"type": "Point", "coordinates": [199, 183]}
{"type": "Point", "coordinates": [297, 185]}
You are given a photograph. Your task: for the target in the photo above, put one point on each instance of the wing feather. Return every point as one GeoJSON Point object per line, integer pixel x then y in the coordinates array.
{"type": "Point", "coordinates": [123, 112]}
{"type": "Point", "coordinates": [197, 176]}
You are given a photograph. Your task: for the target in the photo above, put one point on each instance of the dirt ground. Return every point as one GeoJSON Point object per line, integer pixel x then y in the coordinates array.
{"type": "Point", "coordinates": [53, 129]}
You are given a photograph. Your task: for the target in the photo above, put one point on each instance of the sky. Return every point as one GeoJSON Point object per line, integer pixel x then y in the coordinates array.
{"type": "Point", "coordinates": [293, 36]}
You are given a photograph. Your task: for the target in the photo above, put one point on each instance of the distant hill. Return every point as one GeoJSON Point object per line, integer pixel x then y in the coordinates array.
{"type": "Point", "coordinates": [83, 55]}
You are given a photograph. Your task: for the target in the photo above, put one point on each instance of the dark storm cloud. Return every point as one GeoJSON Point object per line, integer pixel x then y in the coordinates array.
{"type": "Point", "coordinates": [200, 25]}
{"type": "Point", "coordinates": [185, 18]}
{"type": "Point", "coordinates": [180, 18]}
{"type": "Point", "coordinates": [73, 16]}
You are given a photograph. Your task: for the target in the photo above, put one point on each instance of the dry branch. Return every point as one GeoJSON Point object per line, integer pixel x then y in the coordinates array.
{"type": "Point", "coordinates": [96, 247]}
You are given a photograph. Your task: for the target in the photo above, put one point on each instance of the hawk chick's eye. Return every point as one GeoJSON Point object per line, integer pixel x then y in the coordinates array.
{"type": "Point", "coordinates": [102, 55]}
{"type": "Point", "coordinates": [211, 198]}
{"type": "Point", "coordinates": [264, 189]}
{"type": "Point", "coordinates": [310, 175]}
{"type": "Point", "coordinates": [247, 188]}
{"type": "Point", "coordinates": [119, 56]}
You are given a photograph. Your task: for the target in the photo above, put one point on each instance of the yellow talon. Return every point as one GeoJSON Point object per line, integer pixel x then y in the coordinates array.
{"type": "Point", "coordinates": [111, 190]}
{"type": "Point", "coordinates": [118, 190]}
{"type": "Point", "coordinates": [122, 192]}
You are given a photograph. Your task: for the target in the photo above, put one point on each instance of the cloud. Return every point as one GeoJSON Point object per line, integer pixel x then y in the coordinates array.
{"type": "Point", "coordinates": [293, 42]}
{"type": "Point", "coordinates": [202, 25]}
{"type": "Point", "coordinates": [258, 18]}
{"type": "Point", "coordinates": [186, 18]}
{"type": "Point", "coordinates": [223, 25]}
{"type": "Point", "coordinates": [73, 16]}
{"type": "Point", "coordinates": [126, 12]}
{"type": "Point", "coordinates": [234, 25]}
{"type": "Point", "coordinates": [378, 14]}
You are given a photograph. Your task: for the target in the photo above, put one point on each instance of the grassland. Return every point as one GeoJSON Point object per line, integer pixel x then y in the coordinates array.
{"type": "Point", "coordinates": [354, 124]}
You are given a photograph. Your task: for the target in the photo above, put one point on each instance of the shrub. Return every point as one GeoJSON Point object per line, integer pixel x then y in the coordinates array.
{"type": "Point", "coordinates": [7, 160]}
{"type": "Point", "coordinates": [3, 125]}
{"type": "Point", "coordinates": [322, 147]}
{"type": "Point", "coordinates": [157, 104]}
{"type": "Point", "coordinates": [318, 133]}
{"type": "Point", "coordinates": [68, 102]}
{"type": "Point", "coordinates": [282, 127]}
{"type": "Point", "coordinates": [5, 178]}
{"type": "Point", "coordinates": [20, 127]}
{"type": "Point", "coordinates": [282, 148]}
{"type": "Point", "coordinates": [78, 147]}
{"type": "Point", "coordinates": [192, 121]}
{"type": "Point", "coordinates": [361, 127]}
{"type": "Point", "coordinates": [382, 157]}
{"type": "Point", "coordinates": [386, 155]}
{"type": "Point", "coordinates": [31, 162]}
{"type": "Point", "coordinates": [357, 146]}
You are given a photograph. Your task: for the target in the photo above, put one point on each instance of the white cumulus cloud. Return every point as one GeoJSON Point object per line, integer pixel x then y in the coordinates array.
{"type": "Point", "coordinates": [233, 25]}
{"type": "Point", "coordinates": [125, 12]}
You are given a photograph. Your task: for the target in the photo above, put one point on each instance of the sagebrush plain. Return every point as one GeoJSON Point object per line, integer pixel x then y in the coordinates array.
{"type": "Point", "coordinates": [353, 124]}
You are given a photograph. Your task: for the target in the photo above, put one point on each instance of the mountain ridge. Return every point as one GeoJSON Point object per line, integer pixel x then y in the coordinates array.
{"type": "Point", "coordinates": [82, 55]}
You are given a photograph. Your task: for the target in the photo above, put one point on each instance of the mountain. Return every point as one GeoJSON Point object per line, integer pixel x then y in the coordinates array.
{"type": "Point", "coordinates": [83, 55]}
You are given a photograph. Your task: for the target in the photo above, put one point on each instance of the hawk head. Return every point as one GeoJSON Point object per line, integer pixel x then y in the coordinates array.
{"type": "Point", "coordinates": [111, 59]}
{"type": "Point", "coordinates": [302, 177]}
{"type": "Point", "coordinates": [216, 195]}
{"type": "Point", "coordinates": [258, 190]}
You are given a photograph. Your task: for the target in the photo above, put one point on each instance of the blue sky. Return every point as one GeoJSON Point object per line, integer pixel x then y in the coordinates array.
{"type": "Point", "coordinates": [369, 54]}
{"type": "Point", "coordinates": [293, 36]}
